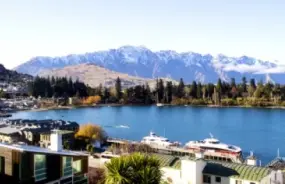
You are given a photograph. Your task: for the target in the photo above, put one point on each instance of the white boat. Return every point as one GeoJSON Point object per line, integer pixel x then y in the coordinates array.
{"type": "Point", "coordinates": [159, 104]}
{"type": "Point", "coordinates": [156, 140]}
{"type": "Point", "coordinates": [215, 146]}
{"type": "Point", "coordinates": [122, 126]}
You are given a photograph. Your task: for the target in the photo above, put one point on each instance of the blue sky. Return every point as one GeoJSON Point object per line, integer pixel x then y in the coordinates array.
{"type": "Point", "coordinates": [31, 28]}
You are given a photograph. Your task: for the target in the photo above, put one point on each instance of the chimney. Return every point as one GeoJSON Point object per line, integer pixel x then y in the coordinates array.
{"type": "Point", "coordinates": [56, 140]}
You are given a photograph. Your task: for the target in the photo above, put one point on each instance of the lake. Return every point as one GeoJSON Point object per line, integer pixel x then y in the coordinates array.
{"type": "Point", "coordinates": [253, 129]}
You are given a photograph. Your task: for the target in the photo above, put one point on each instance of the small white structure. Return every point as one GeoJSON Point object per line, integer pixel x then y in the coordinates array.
{"type": "Point", "coordinates": [251, 159]}
{"type": "Point", "coordinates": [56, 140]}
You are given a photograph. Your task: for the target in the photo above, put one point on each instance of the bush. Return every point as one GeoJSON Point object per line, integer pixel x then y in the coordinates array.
{"type": "Point", "coordinates": [198, 102]}
{"type": "Point", "coordinates": [228, 102]}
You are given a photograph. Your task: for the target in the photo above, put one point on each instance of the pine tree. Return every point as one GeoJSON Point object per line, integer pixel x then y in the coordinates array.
{"type": "Point", "coordinates": [199, 90]}
{"type": "Point", "coordinates": [160, 91]}
{"type": "Point", "coordinates": [219, 86]}
{"type": "Point", "coordinates": [168, 92]}
{"type": "Point", "coordinates": [244, 87]}
{"type": "Point", "coordinates": [118, 88]}
{"type": "Point", "coordinates": [193, 89]}
{"type": "Point", "coordinates": [180, 89]}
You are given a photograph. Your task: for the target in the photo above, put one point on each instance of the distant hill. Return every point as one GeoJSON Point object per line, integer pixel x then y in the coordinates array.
{"type": "Point", "coordinates": [13, 76]}
{"type": "Point", "coordinates": [94, 75]}
{"type": "Point", "coordinates": [142, 62]}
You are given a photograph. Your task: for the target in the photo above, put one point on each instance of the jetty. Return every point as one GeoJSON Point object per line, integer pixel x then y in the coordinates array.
{"type": "Point", "coordinates": [180, 151]}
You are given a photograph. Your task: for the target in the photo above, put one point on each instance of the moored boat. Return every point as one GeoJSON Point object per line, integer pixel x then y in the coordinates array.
{"type": "Point", "coordinates": [155, 140]}
{"type": "Point", "coordinates": [159, 104]}
{"type": "Point", "coordinates": [215, 146]}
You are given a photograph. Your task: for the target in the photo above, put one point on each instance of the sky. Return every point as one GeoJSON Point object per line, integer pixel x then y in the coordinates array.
{"type": "Point", "coordinates": [30, 28]}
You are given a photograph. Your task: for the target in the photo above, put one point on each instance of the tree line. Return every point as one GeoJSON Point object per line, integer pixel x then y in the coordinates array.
{"type": "Point", "coordinates": [222, 93]}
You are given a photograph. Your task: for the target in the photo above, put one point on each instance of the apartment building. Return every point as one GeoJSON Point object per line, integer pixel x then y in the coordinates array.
{"type": "Point", "coordinates": [26, 164]}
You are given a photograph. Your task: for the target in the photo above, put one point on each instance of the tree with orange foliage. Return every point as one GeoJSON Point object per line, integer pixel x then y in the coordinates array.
{"type": "Point", "coordinates": [92, 100]}
{"type": "Point", "coordinates": [91, 133]}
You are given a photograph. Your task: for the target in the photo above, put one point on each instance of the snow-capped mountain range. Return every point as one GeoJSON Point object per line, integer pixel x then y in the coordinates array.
{"type": "Point", "coordinates": [142, 62]}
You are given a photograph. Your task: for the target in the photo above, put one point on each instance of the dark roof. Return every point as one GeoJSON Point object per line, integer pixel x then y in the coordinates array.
{"type": "Point", "coordinates": [277, 164]}
{"type": "Point", "coordinates": [37, 130]}
{"type": "Point", "coordinates": [234, 170]}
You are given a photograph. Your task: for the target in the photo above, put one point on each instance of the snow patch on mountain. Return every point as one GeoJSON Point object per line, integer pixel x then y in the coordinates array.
{"type": "Point", "coordinates": [141, 61]}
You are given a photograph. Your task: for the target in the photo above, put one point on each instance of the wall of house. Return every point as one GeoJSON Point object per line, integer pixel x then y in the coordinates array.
{"type": "Point", "coordinates": [224, 180]}
{"type": "Point", "coordinates": [274, 176]}
{"type": "Point", "coordinates": [172, 175]}
{"type": "Point", "coordinates": [7, 154]}
{"type": "Point", "coordinates": [191, 171]}
{"type": "Point", "coordinates": [233, 181]}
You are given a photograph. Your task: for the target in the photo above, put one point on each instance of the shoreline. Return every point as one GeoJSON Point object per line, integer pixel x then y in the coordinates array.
{"type": "Point", "coordinates": [164, 105]}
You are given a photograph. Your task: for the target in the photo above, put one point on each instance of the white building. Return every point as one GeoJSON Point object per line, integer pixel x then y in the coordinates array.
{"type": "Point", "coordinates": [200, 171]}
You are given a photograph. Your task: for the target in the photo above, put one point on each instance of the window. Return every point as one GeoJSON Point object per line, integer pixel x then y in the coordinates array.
{"type": "Point", "coordinates": [238, 182]}
{"type": "Point", "coordinates": [67, 166]}
{"type": "Point", "coordinates": [40, 167]}
{"type": "Point", "coordinates": [2, 165]}
{"type": "Point", "coordinates": [76, 166]}
{"type": "Point", "coordinates": [218, 179]}
{"type": "Point", "coordinates": [206, 179]}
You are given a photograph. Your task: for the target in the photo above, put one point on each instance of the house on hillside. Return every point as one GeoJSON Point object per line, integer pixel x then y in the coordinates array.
{"type": "Point", "coordinates": [35, 165]}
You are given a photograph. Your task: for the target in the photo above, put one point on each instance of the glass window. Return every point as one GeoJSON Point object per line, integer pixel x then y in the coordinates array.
{"type": "Point", "coordinates": [76, 166]}
{"type": "Point", "coordinates": [206, 179]}
{"type": "Point", "coordinates": [67, 166]}
{"type": "Point", "coordinates": [40, 167]}
{"type": "Point", "coordinates": [218, 179]}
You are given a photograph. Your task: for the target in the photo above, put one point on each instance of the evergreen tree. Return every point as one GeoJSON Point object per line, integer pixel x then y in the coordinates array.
{"type": "Point", "coordinates": [199, 90]}
{"type": "Point", "coordinates": [180, 89]}
{"type": "Point", "coordinates": [244, 87]}
{"type": "Point", "coordinates": [219, 86]}
{"type": "Point", "coordinates": [160, 91]}
{"type": "Point", "coordinates": [168, 92]}
{"type": "Point", "coordinates": [70, 87]}
{"type": "Point", "coordinates": [193, 90]}
{"type": "Point", "coordinates": [252, 83]}
{"type": "Point", "coordinates": [147, 94]}
{"type": "Point", "coordinates": [210, 89]}
{"type": "Point", "coordinates": [118, 88]}
{"type": "Point", "coordinates": [106, 94]}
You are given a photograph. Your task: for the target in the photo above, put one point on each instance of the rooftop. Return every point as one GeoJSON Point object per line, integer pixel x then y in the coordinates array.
{"type": "Point", "coordinates": [277, 164]}
{"type": "Point", "coordinates": [8, 130]}
{"type": "Point", "coordinates": [226, 169]}
{"type": "Point", "coordinates": [35, 149]}
{"type": "Point", "coordinates": [238, 171]}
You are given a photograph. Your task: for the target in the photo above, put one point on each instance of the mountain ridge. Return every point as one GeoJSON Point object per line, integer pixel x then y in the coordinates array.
{"type": "Point", "coordinates": [142, 62]}
{"type": "Point", "coordinates": [94, 75]}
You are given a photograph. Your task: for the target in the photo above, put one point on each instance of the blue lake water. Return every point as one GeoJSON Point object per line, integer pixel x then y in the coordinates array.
{"type": "Point", "coordinates": [259, 130]}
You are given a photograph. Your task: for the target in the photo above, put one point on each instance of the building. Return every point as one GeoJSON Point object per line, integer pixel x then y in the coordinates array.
{"type": "Point", "coordinates": [67, 136]}
{"type": "Point", "coordinates": [30, 164]}
{"type": "Point", "coordinates": [10, 134]}
{"type": "Point", "coordinates": [30, 131]}
{"type": "Point", "coordinates": [199, 171]}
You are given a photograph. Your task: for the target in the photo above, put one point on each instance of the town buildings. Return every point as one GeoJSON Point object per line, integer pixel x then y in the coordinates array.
{"type": "Point", "coordinates": [35, 132]}
{"type": "Point", "coordinates": [25, 164]}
